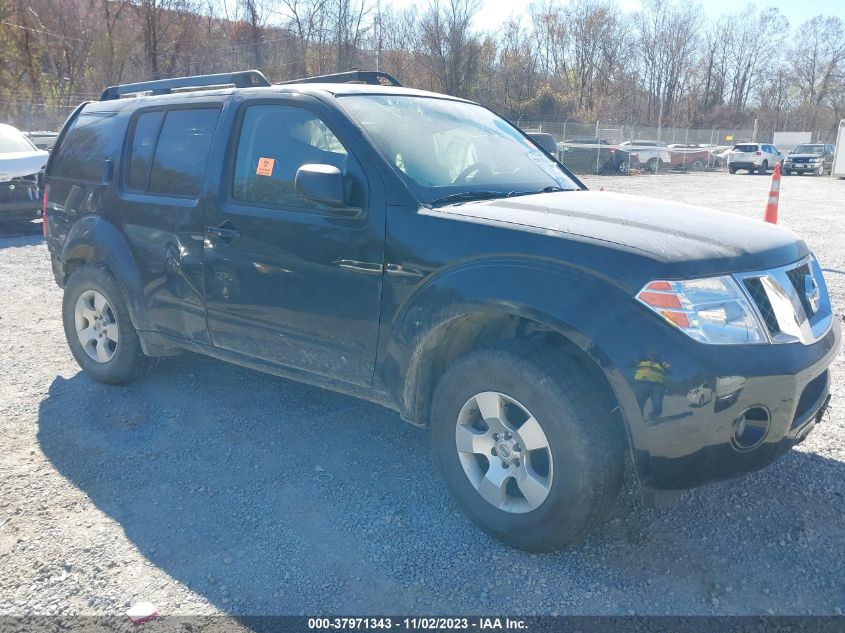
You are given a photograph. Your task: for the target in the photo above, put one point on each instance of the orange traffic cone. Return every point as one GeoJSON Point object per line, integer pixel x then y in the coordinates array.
{"type": "Point", "coordinates": [771, 214]}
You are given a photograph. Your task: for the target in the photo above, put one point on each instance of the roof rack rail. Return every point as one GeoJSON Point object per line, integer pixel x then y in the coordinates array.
{"type": "Point", "coordinates": [243, 79]}
{"type": "Point", "coordinates": [372, 77]}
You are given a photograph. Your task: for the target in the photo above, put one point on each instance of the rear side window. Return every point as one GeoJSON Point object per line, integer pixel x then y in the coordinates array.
{"type": "Point", "coordinates": [143, 146]}
{"type": "Point", "coordinates": [170, 149]}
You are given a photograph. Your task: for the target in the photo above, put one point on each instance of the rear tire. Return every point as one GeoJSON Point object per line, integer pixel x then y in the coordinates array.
{"type": "Point", "coordinates": [571, 480]}
{"type": "Point", "coordinates": [98, 329]}
{"type": "Point", "coordinates": [764, 168]}
{"type": "Point", "coordinates": [732, 170]}
{"type": "Point", "coordinates": [698, 165]}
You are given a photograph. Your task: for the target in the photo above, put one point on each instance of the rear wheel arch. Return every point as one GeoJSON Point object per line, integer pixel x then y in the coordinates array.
{"type": "Point", "coordinates": [93, 240]}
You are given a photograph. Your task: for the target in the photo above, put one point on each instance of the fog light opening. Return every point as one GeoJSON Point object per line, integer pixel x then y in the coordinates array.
{"type": "Point", "coordinates": [750, 428]}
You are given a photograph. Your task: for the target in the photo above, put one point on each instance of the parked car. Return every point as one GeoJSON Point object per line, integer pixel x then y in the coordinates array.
{"type": "Point", "coordinates": [695, 157]}
{"type": "Point", "coordinates": [43, 140]}
{"type": "Point", "coordinates": [654, 155]}
{"type": "Point", "coordinates": [759, 157]}
{"type": "Point", "coordinates": [21, 164]}
{"type": "Point", "coordinates": [719, 155]}
{"type": "Point", "coordinates": [545, 140]}
{"type": "Point", "coordinates": [812, 158]}
{"type": "Point", "coordinates": [595, 156]}
{"type": "Point", "coordinates": [416, 250]}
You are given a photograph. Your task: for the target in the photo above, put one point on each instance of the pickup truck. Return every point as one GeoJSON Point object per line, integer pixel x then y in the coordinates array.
{"type": "Point", "coordinates": [421, 252]}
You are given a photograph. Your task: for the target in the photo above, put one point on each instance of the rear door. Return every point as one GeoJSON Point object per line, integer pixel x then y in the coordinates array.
{"type": "Point", "coordinates": [161, 210]}
{"type": "Point", "coordinates": [288, 280]}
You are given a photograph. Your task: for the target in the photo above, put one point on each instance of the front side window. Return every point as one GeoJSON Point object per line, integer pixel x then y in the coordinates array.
{"type": "Point", "coordinates": [170, 149]}
{"type": "Point", "coordinates": [275, 141]}
{"type": "Point", "coordinates": [444, 147]}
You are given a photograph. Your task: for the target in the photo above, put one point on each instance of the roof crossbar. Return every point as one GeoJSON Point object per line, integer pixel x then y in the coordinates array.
{"type": "Point", "coordinates": [243, 79]}
{"type": "Point", "coordinates": [371, 77]}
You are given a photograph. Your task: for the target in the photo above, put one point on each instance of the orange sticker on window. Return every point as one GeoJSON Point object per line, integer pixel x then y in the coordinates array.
{"type": "Point", "coordinates": [265, 166]}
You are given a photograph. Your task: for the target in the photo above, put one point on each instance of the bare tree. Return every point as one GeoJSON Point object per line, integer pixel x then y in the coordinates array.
{"type": "Point", "coordinates": [449, 49]}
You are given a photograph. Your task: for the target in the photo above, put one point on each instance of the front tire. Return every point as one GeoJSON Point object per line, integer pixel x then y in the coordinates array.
{"type": "Point", "coordinates": [526, 446]}
{"type": "Point", "coordinates": [98, 329]}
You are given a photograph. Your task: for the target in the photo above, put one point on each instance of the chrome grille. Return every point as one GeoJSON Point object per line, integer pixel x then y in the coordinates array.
{"type": "Point", "coordinates": [782, 301]}
{"type": "Point", "coordinates": [798, 278]}
{"type": "Point", "coordinates": [761, 300]}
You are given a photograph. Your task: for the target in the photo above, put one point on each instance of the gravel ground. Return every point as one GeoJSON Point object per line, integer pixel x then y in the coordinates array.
{"type": "Point", "coordinates": [206, 488]}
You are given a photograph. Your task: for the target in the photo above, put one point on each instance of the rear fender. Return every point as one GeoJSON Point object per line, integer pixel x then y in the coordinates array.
{"type": "Point", "coordinates": [95, 240]}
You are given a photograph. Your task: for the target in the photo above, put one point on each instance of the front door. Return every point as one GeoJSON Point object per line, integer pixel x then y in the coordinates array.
{"type": "Point", "coordinates": [290, 280]}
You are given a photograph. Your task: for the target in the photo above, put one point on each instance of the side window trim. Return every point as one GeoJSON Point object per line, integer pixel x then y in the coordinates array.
{"type": "Point", "coordinates": [130, 138]}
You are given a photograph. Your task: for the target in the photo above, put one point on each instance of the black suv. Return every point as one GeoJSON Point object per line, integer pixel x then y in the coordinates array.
{"type": "Point", "coordinates": [810, 158]}
{"type": "Point", "coordinates": [419, 251]}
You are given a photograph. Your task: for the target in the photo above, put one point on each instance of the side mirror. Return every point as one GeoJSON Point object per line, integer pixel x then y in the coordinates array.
{"type": "Point", "coordinates": [320, 183]}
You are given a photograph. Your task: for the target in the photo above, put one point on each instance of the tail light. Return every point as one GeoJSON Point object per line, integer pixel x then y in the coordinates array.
{"type": "Point", "coordinates": [612, 150]}
{"type": "Point", "coordinates": [758, 153]}
{"type": "Point", "coordinates": [44, 211]}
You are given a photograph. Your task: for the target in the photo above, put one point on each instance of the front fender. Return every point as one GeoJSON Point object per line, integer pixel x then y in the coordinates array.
{"type": "Point", "coordinates": [93, 239]}
{"type": "Point", "coordinates": [575, 302]}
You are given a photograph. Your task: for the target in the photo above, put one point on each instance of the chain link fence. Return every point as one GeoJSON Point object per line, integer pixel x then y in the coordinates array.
{"type": "Point", "coordinates": [606, 147]}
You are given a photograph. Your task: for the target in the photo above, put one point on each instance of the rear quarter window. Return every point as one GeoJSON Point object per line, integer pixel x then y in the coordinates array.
{"type": "Point", "coordinates": [92, 137]}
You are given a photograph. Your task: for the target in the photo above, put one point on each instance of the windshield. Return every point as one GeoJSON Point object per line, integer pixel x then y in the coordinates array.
{"type": "Point", "coordinates": [445, 147]}
{"type": "Point", "coordinates": [13, 141]}
{"type": "Point", "coordinates": [809, 149]}
{"type": "Point", "coordinates": [745, 148]}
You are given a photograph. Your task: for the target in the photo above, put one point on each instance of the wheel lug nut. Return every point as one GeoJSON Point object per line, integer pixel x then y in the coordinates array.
{"type": "Point", "coordinates": [507, 436]}
{"type": "Point", "coordinates": [517, 447]}
{"type": "Point", "coordinates": [496, 436]}
{"type": "Point", "coordinates": [516, 462]}
{"type": "Point", "coordinates": [493, 451]}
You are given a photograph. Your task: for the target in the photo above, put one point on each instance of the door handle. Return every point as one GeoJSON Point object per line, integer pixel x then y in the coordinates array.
{"type": "Point", "coordinates": [225, 232]}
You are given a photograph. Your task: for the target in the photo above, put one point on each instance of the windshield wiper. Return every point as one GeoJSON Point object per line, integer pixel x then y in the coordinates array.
{"type": "Point", "coordinates": [468, 196]}
{"type": "Point", "coordinates": [549, 189]}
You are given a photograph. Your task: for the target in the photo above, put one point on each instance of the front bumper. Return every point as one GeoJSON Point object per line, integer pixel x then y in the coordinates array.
{"type": "Point", "coordinates": [20, 210]}
{"type": "Point", "coordinates": [20, 199]}
{"type": "Point", "coordinates": [801, 166]}
{"type": "Point", "coordinates": [683, 432]}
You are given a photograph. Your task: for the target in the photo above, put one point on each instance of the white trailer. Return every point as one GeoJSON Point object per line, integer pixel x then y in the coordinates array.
{"type": "Point", "coordinates": [838, 170]}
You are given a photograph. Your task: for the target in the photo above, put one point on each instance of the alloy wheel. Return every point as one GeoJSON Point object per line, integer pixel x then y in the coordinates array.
{"type": "Point", "coordinates": [96, 326]}
{"type": "Point", "coordinates": [504, 452]}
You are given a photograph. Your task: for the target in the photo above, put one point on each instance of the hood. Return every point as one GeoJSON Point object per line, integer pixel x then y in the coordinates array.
{"type": "Point", "coordinates": [17, 164]}
{"type": "Point", "coordinates": [691, 240]}
{"type": "Point", "coordinates": [791, 156]}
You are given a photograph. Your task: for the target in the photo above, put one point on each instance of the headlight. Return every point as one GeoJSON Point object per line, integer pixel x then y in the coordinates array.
{"type": "Point", "coordinates": [712, 310]}
{"type": "Point", "coordinates": [817, 159]}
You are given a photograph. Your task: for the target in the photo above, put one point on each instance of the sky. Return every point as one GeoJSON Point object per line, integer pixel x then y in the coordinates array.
{"type": "Point", "coordinates": [494, 13]}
